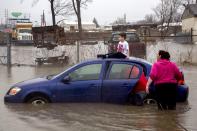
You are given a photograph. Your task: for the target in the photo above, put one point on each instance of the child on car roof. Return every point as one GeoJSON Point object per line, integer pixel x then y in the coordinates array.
{"type": "Point", "coordinates": [123, 45]}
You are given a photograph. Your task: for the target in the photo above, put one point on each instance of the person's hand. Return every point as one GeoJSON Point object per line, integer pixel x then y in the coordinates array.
{"type": "Point", "coordinates": [148, 84]}
{"type": "Point", "coordinates": [147, 89]}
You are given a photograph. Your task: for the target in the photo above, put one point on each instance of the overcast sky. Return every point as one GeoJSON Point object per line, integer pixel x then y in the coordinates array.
{"type": "Point", "coordinates": [105, 11]}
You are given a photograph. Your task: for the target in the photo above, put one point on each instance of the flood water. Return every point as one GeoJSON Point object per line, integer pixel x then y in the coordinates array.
{"type": "Point", "coordinates": [92, 117]}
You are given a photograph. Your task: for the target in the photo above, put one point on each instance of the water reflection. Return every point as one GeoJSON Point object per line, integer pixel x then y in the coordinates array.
{"type": "Point", "coordinates": [96, 116]}
{"type": "Point", "coordinates": [91, 117]}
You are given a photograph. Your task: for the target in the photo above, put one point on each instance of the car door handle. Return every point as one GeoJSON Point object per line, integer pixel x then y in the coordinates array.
{"type": "Point", "coordinates": [125, 85]}
{"type": "Point", "coordinates": [92, 85]}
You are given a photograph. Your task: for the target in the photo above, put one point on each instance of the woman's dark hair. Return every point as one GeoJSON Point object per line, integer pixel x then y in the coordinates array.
{"type": "Point", "coordinates": [124, 35]}
{"type": "Point", "coordinates": [164, 54]}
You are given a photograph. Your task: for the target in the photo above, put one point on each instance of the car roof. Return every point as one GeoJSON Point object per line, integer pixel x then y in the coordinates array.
{"type": "Point", "coordinates": [140, 60]}
{"type": "Point", "coordinates": [131, 59]}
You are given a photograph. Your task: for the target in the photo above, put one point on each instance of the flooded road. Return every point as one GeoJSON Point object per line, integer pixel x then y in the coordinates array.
{"type": "Point", "coordinates": [92, 117]}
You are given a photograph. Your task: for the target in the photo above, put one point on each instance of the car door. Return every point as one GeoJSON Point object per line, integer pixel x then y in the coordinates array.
{"type": "Point", "coordinates": [121, 78]}
{"type": "Point", "coordinates": [84, 84]}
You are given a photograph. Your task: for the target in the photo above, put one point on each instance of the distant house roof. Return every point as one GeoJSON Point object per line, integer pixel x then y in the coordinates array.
{"type": "Point", "coordinates": [75, 22]}
{"type": "Point", "coordinates": [133, 26]}
{"type": "Point", "coordinates": [190, 11]}
{"type": "Point", "coordinates": [171, 24]}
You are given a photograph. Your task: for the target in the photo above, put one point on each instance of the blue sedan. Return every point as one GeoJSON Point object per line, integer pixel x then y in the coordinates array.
{"type": "Point", "coordinates": [100, 80]}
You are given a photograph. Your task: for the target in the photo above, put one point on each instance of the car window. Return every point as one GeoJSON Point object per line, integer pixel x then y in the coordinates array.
{"type": "Point", "coordinates": [135, 72]}
{"type": "Point", "coordinates": [88, 72]}
{"type": "Point", "coordinates": [120, 71]}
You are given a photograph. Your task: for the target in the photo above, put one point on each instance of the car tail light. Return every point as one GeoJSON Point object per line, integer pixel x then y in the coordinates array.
{"type": "Point", "coordinates": [181, 82]}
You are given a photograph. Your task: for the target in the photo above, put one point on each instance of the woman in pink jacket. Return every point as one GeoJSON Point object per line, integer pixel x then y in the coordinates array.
{"type": "Point", "coordinates": [165, 75]}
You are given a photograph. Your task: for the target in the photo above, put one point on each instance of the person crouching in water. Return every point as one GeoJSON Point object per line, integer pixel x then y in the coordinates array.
{"type": "Point", "coordinates": [123, 45]}
{"type": "Point", "coordinates": [165, 75]}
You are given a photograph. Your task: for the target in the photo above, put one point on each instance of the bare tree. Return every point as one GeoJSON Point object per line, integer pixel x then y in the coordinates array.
{"type": "Point", "coordinates": [96, 22]}
{"type": "Point", "coordinates": [63, 8]}
{"type": "Point", "coordinates": [53, 11]}
{"type": "Point", "coordinates": [186, 2]}
{"type": "Point", "coordinates": [167, 12]}
{"type": "Point", "coordinates": [119, 21]}
{"type": "Point", "coordinates": [58, 7]}
{"type": "Point", "coordinates": [150, 18]}
{"type": "Point", "coordinates": [77, 5]}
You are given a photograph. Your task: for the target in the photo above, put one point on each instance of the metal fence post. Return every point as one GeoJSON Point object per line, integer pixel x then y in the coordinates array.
{"type": "Point", "coordinates": [9, 49]}
{"type": "Point", "coordinates": [191, 35]}
{"type": "Point", "coordinates": [78, 57]}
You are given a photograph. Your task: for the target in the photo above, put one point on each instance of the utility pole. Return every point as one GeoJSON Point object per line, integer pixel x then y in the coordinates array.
{"type": "Point", "coordinates": [1, 21]}
{"type": "Point", "coordinates": [125, 19]}
{"type": "Point", "coordinates": [191, 35]}
{"type": "Point", "coordinates": [8, 42]}
{"type": "Point", "coordinates": [6, 16]}
{"type": "Point", "coordinates": [43, 20]}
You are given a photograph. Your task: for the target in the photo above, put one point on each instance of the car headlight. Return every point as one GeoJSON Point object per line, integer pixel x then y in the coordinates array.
{"type": "Point", "coordinates": [14, 91]}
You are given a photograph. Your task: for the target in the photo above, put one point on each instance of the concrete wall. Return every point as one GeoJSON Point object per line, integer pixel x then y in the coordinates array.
{"type": "Point", "coordinates": [27, 55]}
{"type": "Point", "coordinates": [86, 51]}
{"type": "Point", "coordinates": [180, 53]}
{"type": "Point", "coordinates": [189, 23]}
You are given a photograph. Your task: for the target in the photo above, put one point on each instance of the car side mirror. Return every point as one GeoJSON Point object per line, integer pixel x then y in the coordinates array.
{"type": "Point", "coordinates": [66, 79]}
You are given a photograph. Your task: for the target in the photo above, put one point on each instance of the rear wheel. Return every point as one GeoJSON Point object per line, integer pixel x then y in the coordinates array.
{"type": "Point", "coordinates": [38, 100]}
{"type": "Point", "coordinates": [149, 101]}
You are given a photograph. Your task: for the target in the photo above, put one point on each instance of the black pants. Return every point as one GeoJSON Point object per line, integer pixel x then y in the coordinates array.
{"type": "Point", "coordinates": [166, 96]}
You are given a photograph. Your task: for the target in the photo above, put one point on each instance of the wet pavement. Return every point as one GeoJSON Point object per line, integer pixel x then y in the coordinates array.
{"type": "Point", "coordinates": [92, 117]}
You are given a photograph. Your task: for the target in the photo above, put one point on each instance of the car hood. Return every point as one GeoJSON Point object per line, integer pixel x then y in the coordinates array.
{"type": "Point", "coordinates": [33, 82]}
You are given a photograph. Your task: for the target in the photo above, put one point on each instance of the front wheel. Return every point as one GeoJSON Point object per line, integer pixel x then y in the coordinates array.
{"type": "Point", "coordinates": [38, 100]}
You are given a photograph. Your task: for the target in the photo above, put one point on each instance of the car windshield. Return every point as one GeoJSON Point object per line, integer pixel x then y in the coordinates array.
{"type": "Point", "coordinates": [24, 31]}
{"type": "Point", "coordinates": [49, 77]}
{"type": "Point", "coordinates": [60, 74]}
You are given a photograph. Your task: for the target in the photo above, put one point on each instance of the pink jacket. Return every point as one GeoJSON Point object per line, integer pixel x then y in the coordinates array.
{"type": "Point", "coordinates": [164, 71]}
